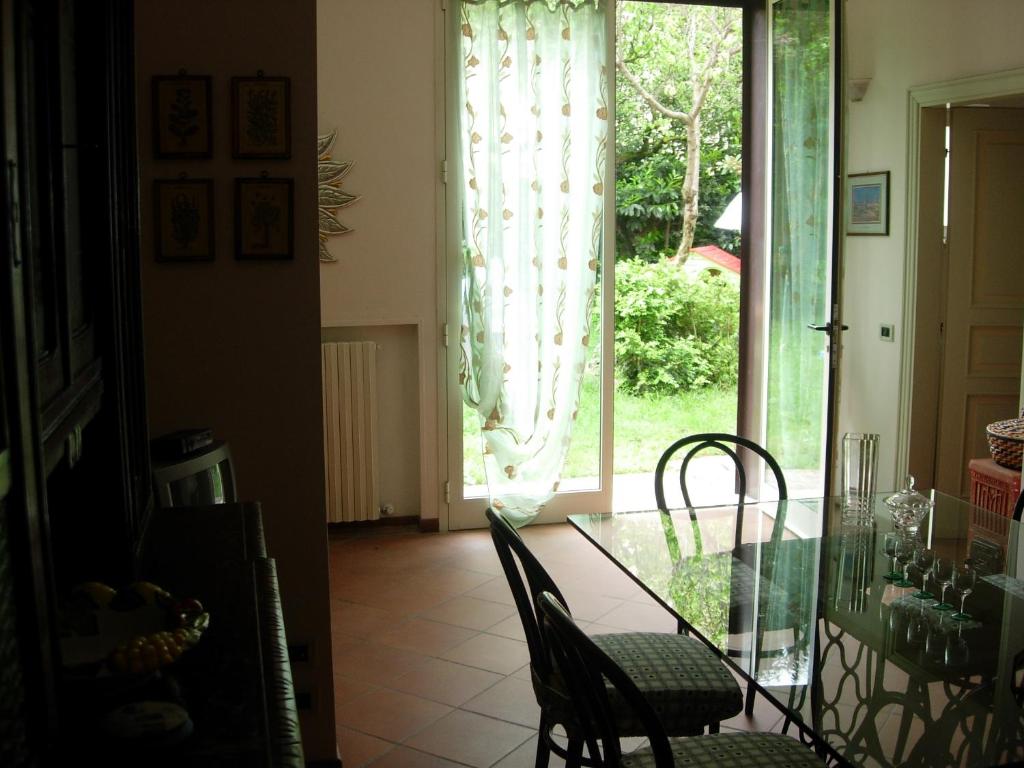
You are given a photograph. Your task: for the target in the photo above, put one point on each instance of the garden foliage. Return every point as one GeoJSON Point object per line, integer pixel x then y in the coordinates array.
{"type": "Point", "coordinates": [672, 333]}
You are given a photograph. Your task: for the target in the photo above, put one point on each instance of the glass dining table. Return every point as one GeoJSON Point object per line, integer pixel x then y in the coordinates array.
{"type": "Point", "coordinates": [797, 601]}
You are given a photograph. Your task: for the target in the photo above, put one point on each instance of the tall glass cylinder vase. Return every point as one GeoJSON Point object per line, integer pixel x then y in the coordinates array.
{"type": "Point", "coordinates": [860, 470]}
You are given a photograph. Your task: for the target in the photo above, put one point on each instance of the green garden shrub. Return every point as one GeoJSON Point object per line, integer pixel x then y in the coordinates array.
{"type": "Point", "coordinates": [672, 333]}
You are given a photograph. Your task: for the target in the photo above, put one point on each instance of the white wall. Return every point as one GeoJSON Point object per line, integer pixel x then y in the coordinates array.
{"type": "Point", "coordinates": [376, 86]}
{"type": "Point", "coordinates": [900, 44]}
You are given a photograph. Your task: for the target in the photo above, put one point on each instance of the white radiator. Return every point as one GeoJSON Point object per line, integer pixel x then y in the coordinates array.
{"type": "Point", "coordinates": [350, 430]}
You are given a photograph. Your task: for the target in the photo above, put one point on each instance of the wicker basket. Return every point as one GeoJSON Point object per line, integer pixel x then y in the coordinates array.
{"type": "Point", "coordinates": [1006, 442]}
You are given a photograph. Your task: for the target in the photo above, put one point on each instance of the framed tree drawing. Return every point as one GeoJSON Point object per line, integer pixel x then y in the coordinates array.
{"type": "Point", "coordinates": [182, 117]}
{"type": "Point", "coordinates": [263, 218]}
{"type": "Point", "coordinates": [261, 125]}
{"type": "Point", "coordinates": [184, 219]}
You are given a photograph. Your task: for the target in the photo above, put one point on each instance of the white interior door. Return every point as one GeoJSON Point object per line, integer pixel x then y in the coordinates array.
{"type": "Point", "coordinates": [984, 306]}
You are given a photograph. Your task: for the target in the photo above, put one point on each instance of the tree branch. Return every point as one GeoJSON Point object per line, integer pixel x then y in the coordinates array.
{"type": "Point", "coordinates": [651, 100]}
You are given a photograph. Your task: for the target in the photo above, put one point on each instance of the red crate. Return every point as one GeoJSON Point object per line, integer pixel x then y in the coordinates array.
{"type": "Point", "coordinates": [994, 487]}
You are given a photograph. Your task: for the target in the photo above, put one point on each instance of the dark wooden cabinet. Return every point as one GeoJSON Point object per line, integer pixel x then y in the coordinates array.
{"type": "Point", "coordinates": [75, 491]}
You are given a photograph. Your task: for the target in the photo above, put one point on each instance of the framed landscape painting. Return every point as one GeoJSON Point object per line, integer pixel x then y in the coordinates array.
{"type": "Point", "coordinates": [867, 203]}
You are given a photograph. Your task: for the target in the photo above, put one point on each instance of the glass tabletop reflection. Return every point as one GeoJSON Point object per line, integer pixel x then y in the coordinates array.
{"type": "Point", "coordinates": [873, 671]}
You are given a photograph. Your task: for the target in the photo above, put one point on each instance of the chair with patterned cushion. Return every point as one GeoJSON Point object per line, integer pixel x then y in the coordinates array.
{"type": "Point", "coordinates": [592, 677]}
{"type": "Point", "coordinates": [681, 678]}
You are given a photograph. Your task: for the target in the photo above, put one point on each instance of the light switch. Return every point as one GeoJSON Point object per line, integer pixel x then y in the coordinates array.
{"type": "Point", "coordinates": [887, 332]}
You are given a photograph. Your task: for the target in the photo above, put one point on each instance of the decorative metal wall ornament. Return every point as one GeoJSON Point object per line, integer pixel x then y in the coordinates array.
{"type": "Point", "coordinates": [330, 174]}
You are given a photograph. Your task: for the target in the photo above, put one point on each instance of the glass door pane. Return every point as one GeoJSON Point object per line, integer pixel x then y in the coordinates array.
{"type": "Point", "coordinates": [802, 57]}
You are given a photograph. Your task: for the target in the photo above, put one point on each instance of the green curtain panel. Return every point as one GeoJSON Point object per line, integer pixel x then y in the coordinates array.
{"type": "Point", "coordinates": [801, 50]}
{"type": "Point", "coordinates": [533, 129]}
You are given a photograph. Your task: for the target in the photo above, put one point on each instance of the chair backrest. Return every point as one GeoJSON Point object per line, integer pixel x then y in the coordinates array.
{"type": "Point", "coordinates": [1018, 508]}
{"type": "Point", "coordinates": [585, 667]}
{"type": "Point", "coordinates": [513, 554]}
{"type": "Point", "coordinates": [723, 442]}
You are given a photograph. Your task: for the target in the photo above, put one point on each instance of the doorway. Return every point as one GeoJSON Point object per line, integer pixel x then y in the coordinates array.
{"type": "Point", "coordinates": [969, 285]}
{"type": "Point", "coordinates": [921, 415]}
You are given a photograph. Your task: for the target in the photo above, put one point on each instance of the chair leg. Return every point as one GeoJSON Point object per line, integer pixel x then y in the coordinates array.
{"type": "Point", "coordinates": [543, 752]}
{"type": "Point", "coordinates": [575, 754]}
{"type": "Point", "coordinates": [748, 707]}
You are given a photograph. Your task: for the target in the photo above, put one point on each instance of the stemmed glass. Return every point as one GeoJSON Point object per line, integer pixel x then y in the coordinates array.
{"type": "Point", "coordinates": [917, 627]}
{"type": "Point", "coordinates": [889, 547]}
{"type": "Point", "coordinates": [957, 652]}
{"type": "Point", "coordinates": [924, 558]}
{"type": "Point", "coordinates": [935, 644]}
{"type": "Point", "coordinates": [964, 579]}
{"type": "Point", "coordinates": [904, 554]}
{"type": "Point", "coordinates": [942, 572]}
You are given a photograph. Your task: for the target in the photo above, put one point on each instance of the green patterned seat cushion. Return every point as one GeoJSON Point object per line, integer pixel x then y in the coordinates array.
{"type": "Point", "coordinates": [683, 680]}
{"type": "Point", "coordinates": [739, 750]}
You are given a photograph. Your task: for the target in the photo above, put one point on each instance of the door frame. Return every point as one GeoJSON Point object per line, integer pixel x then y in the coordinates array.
{"type": "Point", "coordinates": [988, 86]}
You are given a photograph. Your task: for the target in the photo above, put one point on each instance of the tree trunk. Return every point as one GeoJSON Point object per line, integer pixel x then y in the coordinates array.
{"type": "Point", "coordinates": [691, 189]}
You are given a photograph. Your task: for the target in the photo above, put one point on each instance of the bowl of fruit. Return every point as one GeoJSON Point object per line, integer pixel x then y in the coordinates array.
{"type": "Point", "coordinates": [131, 632]}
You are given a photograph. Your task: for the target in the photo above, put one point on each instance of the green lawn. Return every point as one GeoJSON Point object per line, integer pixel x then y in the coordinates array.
{"type": "Point", "coordinates": [644, 427]}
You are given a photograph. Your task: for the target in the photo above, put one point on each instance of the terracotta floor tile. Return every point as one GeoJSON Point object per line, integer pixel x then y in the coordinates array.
{"type": "Point", "coordinates": [490, 652]}
{"type": "Point", "coordinates": [373, 663]}
{"type": "Point", "coordinates": [496, 590]}
{"type": "Point", "coordinates": [446, 682]}
{"type": "Point", "coordinates": [466, 737]}
{"type": "Point", "coordinates": [512, 700]}
{"type": "Point", "coordinates": [468, 612]}
{"type": "Point", "coordinates": [430, 638]}
{"type": "Point", "coordinates": [360, 620]}
{"type": "Point", "coordinates": [524, 756]}
{"type": "Point", "coordinates": [346, 689]}
{"type": "Point", "coordinates": [447, 578]}
{"type": "Point", "coordinates": [404, 598]}
{"type": "Point", "coordinates": [402, 757]}
{"type": "Point", "coordinates": [586, 605]}
{"type": "Point", "coordinates": [390, 715]}
{"type": "Point", "coordinates": [358, 749]}
{"type": "Point", "coordinates": [639, 617]}
{"type": "Point", "coordinates": [512, 627]}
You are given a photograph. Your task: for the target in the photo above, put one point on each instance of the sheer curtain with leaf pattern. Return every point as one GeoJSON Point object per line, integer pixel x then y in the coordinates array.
{"type": "Point", "coordinates": [533, 115]}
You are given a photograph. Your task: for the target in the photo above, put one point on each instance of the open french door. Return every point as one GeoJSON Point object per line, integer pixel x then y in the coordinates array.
{"type": "Point", "coordinates": [790, 320]}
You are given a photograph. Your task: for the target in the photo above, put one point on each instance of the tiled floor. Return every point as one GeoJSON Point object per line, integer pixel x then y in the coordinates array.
{"type": "Point", "coordinates": [430, 665]}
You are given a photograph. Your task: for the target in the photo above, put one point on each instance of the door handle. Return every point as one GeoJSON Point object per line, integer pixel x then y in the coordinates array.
{"type": "Point", "coordinates": [827, 328]}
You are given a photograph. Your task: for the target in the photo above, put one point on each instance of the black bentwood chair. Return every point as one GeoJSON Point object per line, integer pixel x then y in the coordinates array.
{"type": "Point", "coordinates": [680, 677]}
{"type": "Point", "coordinates": [1018, 508]}
{"type": "Point", "coordinates": [730, 445]}
{"type": "Point", "coordinates": [722, 442]}
{"type": "Point", "coordinates": [592, 677]}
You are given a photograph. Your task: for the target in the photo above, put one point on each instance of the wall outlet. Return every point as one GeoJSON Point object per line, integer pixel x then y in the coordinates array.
{"type": "Point", "coordinates": [887, 332]}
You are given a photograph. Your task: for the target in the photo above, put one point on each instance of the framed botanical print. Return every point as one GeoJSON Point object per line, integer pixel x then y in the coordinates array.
{"type": "Point", "coordinates": [263, 218]}
{"type": "Point", "coordinates": [182, 117]}
{"type": "Point", "coordinates": [184, 219]}
{"type": "Point", "coordinates": [261, 125]}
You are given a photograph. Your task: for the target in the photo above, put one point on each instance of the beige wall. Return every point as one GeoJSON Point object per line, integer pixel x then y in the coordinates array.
{"type": "Point", "coordinates": [376, 81]}
{"type": "Point", "coordinates": [235, 345]}
{"type": "Point", "coordinates": [900, 45]}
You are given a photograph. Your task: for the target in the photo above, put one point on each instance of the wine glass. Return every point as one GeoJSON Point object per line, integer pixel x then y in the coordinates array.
{"type": "Point", "coordinates": [924, 558]}
{"type": "Point", "coordinates": [964, 579]}
{"type": "Point", "coordinates": [917, 627]}
{"type": "Point", "coordinates": [935, 643]}
{"type": "Point", "coordinates": [942, 572]}
{"type": "Point", "coordinates": [889, 547]}
{"type": "Point", "coordinates": [957, 652]}
{"type": "Point", "coordinates": [904, 554]}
